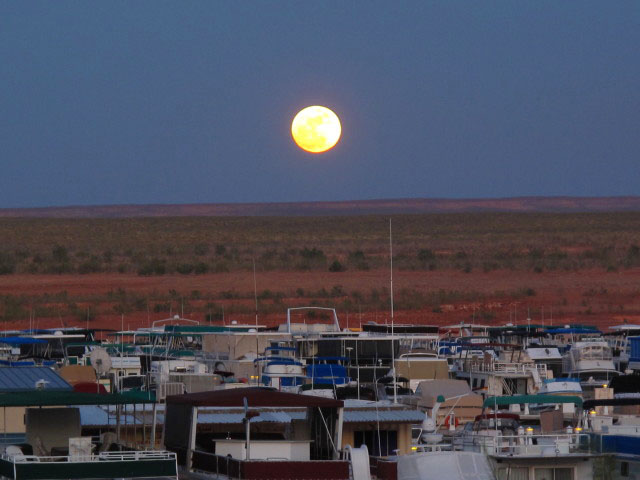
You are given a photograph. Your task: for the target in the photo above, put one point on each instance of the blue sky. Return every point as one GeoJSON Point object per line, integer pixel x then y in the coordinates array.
{"type": "Point", "coordinates": [184, 102]}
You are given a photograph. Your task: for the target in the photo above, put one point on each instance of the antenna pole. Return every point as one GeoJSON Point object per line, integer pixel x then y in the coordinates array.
{"type": "Point", "coordinates": [255, 296]}
{"type": "Point", "coordinates": [255, 290]}
{"type": "Point", "coordinates": [393, 347]}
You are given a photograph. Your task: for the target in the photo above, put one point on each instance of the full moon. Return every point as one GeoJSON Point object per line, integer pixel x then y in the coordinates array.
{"type": "Point", "coordinates": [316, 129]}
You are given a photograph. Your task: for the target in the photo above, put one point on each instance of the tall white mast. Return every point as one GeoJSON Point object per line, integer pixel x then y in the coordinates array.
{"type": "Point", "coordinates": [393, 348]}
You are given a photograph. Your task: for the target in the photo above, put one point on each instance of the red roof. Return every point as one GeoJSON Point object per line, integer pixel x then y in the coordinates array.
{"type": "Point", "coordinates": [256, 397]}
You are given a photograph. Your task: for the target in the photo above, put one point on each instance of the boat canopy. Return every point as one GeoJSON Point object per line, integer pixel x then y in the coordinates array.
{"type": "Point", "coordinates": [49, 398]}
{"type": "Point", "coordinates": [520, 399]}
{"type": "Point", "coordinates": [576, 330]}
{"type": "Point", "coordinates": [21, 340]}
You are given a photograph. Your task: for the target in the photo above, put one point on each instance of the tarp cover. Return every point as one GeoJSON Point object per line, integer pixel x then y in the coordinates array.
{"type": "Point", "coordinates": [256, 397]}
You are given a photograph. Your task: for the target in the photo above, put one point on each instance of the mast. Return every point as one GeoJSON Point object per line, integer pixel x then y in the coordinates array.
{"type": "Point", "coordinates": [393, 348]}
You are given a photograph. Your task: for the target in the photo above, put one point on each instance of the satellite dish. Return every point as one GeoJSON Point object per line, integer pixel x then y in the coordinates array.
{"type": "Point", "coordinates": [100, 360]}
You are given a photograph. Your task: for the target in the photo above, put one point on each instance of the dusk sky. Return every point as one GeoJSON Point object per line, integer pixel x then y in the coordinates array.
{"type": "Point", "coordinates": [191, 102]}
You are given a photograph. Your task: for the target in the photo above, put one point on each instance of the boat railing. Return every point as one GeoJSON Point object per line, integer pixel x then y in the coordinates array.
{"type": "Point", "coordinates": [166, 389]}
{"type": "Point", "coordinates": [254, 469]}
{"type": "Point", "coordinates": [124, 456]}
{"type": "Point", "coordinates": [508, 367]}
{"type": "Point", "coordinates": [530, 444]}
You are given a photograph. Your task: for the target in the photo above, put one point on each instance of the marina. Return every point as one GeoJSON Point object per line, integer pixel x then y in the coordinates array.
{"type": "Point", "coordinates": [313, 400]}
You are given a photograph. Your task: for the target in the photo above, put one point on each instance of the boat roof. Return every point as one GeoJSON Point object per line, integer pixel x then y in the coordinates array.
{"type": "Point", "coordinates": [519, 399]}
{"type": "Point", "coordinates": [21, 340]}
{"type": "Point", "coordinates": [576, 330]}
{"type": "Point", "coordinates": [543, 352]}
{"type": "Point", "coordinates": [47, 398]}
{"type": "Point", "coordinates": [26, 379]}
{"type": "Point", "coordinates": [624, 326]}
{"type": "Point", "coordinates": [255, 397]}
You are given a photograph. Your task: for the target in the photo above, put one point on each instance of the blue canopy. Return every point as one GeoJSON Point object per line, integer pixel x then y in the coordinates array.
{"type": "Point", "coordinates": [577, 330]}
{"type": "Point", "coordinates": [21, 340]}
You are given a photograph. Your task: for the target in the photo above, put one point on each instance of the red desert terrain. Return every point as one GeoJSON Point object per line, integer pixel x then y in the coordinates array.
{"type": "Point", "coordinates": [590, 297]}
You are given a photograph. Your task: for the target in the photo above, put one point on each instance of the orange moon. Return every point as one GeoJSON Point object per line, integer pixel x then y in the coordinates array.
{"type": "Point", "coordinates": [316, 129]}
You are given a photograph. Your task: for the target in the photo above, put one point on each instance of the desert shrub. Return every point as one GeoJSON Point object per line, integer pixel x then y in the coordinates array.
{"type": "Point", "coordinates": [184, 268]}
{"type": "Point", "coordinates": [201, 249]}
{"type": "Point", "coordinates": [60, 254]}
{"type": "Point", "coordinates": [154, 266]}
{"type": "Point", "coordinates": [337, 291]}
{"type": "Point", "coordinates": [7, 264]}
{"type": "Point", "coordinates": [358, 260]}
{"type": "Point", "coordinates": [632, 257]}
{"type": "Point", "coordinates": [107, 256]}
{"type": "Point", "coordinates": [162, 307]}
{"type": "Point", "coordinates": [91, 265]}
{"type": "Point", "coordinates": [312, 254]}
{"type": "Point", "coordinates": [336, 266]}
{"type": "Point", "coordinates": [426, 255]}
{"type": "Point", "coordinates": [59, 262]}
{"type": "Point", "coordinates": [12, 307]}
{"type": "Point", "coordinates": [201, 268]}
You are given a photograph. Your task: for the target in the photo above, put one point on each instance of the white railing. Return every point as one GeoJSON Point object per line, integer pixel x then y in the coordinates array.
{"type": "Point", "coordinates": [508, 367]}
{"type": "Point", "coordinates": [167, 389]}
{"type": "Point", "coordinates": [126, 456]}
{"type": "Point", "coordinates": [529, 445]}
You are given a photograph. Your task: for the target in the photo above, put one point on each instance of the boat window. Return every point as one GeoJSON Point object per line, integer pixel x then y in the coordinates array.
{"type": "Point", "coordinates": [379, 442]}
{"type": "Point", "coordinates": [553, 473]}
{"type": "Point", "coordinates": [624, 469]}
{"type": "Point", "coordinates": [513, 473]}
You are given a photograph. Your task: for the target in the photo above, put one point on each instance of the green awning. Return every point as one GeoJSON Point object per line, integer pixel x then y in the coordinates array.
{"type": "Point", "coordinates": [520, 399]}
{"type": "Point", "coordinates": [45, 398]}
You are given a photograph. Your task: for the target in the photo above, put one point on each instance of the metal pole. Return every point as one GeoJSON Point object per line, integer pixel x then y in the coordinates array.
{"type": "Point", "coordinates": [118, 423]}
{"type": "Point", "coordinates": [393, 348]}
{"type": "Point", "coordinates": [247, 427]}
{"type": "Point", "coordinates": [153, 427]}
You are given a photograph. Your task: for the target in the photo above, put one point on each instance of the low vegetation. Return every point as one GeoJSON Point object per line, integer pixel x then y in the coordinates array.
{"type": "Point", "coordinates": [199, 245]}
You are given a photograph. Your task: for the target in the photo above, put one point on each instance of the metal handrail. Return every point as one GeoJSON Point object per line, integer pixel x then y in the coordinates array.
{"type": "Point", "coordinates": [531, 444]}
{"type": "Point", "coordinates": [99, 457]}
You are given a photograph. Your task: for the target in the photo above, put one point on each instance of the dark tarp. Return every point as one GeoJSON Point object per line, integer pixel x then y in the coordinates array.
{"type": "Point", "coordinates": [625, 384]}
{"type": "Point", "coordinates": [610, 402]}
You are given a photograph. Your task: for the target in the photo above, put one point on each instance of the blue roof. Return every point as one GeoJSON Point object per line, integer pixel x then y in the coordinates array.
{"type": "Point", "coordinates": [21, 340]}
{"type": "Point", "coordinates": [576, 330]}
{"type": "Point", "coordinates": [24, 379]}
